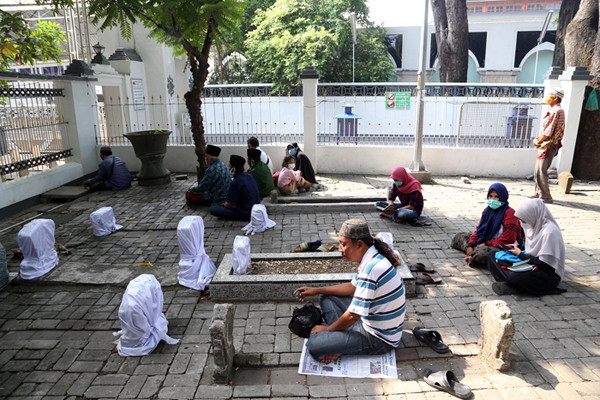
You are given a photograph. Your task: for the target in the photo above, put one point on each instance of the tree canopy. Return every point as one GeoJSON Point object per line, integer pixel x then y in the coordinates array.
{"type": "Point", "coordinates": [293, 34]}
{"type": "Point", "coordinates": [19, 44]}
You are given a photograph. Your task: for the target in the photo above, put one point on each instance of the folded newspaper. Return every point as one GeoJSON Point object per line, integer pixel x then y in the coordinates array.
{"type": "Point", "coordinates": [367, 366]}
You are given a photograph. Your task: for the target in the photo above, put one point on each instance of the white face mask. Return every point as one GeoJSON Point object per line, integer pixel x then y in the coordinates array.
{"type": "Point", "coordinates": [292, 166]}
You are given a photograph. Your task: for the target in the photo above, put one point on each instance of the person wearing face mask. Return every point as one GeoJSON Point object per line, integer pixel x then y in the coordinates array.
{"type": "Point", "coordinates": [544, 250]}
{"type": "Point", "coordinates": [289, 180]}
{"type": "Point", "coordinates": [242, 195]}
{"type": "Point", "coordinates": [498, 227]}
{"type": "Point", "coordinates": [548, 143]}
{"type": "Point", "coordinates": [408, 190]}
{"type": "Point", "coordinates": [303, 163]}
{"type": "Point", "coordinates": [260, 172]}
{"type": "Point", "coordinates": [213, 187]}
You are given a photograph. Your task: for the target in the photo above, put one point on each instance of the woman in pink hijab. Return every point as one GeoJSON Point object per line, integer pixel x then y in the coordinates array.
{"type": "Point", "coordinates": [408, 191]}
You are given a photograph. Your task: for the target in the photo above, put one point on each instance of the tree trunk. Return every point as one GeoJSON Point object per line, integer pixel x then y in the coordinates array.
{"type": "Point", "coordinates": [452, 37]}
{"type": "Point", "coordinates": [568, 9]}
{"type": "Point", "coordinates": [580, 40]}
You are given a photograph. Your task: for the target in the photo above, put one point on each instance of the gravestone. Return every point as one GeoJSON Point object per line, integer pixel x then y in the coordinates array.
{"type": "Point", "coordinates": [497, 332]}
{"type": "Point", "coordinates": [565, 182]}
{"type": "Point", "coordinates": [221, 336]}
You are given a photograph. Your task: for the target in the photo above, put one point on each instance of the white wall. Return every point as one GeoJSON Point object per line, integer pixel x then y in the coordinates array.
{"type": "Point", "coordinates": [35, 183]}
{"type": "Point", "coordinates": [368, 160]}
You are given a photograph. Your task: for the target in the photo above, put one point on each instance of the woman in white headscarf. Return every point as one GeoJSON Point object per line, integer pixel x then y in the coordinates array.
{"type": "Point", "coordinates": [544, 250]}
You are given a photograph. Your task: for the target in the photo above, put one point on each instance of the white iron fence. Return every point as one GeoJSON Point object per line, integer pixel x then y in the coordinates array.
{"type": "Point", "coordinates": [32, 133]}
{"type": "Point", "coordinates": [456, 115]}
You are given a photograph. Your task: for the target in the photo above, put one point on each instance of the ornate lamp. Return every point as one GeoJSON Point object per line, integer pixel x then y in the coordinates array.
{"type": "Point", "coordinates": [99, 57]}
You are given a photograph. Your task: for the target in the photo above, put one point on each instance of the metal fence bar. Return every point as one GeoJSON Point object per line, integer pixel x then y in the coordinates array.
{"type": "Point", "coordinates": [32, 134]}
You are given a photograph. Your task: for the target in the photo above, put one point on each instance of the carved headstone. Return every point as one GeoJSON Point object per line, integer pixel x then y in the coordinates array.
{"type": "Point", "coordinates": [221, 336]}
{"type": "Point", "coordinates": [565, 182]}
{"type": "Point", "coordinates": [497, 332]}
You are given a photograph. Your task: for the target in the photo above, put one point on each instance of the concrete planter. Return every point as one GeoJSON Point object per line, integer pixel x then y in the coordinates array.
{"type": "Point", "coordinates": [150, 147]}
{"type": "Point", "coordinates": [226, 286]}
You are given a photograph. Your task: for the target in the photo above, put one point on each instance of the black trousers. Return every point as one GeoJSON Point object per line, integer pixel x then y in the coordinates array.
{"type": "Point", "coordinates": [537, 283]}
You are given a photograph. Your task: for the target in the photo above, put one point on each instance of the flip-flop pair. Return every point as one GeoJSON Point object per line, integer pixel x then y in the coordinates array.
{"type": "Point", "coordinates": [432, 338]}
{"type": "Point", "coordinates": [447, 382]}
{"type": "Point", "coordinates": [420, 267]}
{"type": "Point", "coordinates": [426, 279]}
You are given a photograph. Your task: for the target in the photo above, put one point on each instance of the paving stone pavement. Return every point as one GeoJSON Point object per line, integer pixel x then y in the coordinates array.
{"type": "Point", "coordinates": [56, 341]}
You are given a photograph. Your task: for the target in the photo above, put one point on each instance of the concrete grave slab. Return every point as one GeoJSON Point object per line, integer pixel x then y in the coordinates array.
{"type": "Point", "coordinates": [65, 193]}
{"type": "Point", "coordinates": [227, 286]}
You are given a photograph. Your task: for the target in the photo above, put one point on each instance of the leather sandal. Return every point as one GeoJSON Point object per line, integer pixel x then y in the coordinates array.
{"type": "Point", "coordinates": [432, 338]}
{"type": "Point", "coordinates": [420, 267]}
{"type": "Point", "coordinates": [447, 382]}
{"type": "Point", "coordinates": [426, 279]}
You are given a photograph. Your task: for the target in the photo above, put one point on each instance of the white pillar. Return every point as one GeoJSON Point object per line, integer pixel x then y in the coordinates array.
{"type": "Point", "coordinates": [310, 78]}
{"type": "Point", "coordinates": [78, 109]}
{"type": "Point", "coordinates": [573, 81]}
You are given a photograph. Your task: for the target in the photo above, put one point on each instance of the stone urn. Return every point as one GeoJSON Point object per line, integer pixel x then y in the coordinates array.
{"type": "Point", "coordinates": [150, 147]}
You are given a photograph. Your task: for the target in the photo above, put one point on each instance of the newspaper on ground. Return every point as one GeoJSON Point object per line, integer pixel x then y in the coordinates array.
{"type": "Point", "coordinates": [366, 366]}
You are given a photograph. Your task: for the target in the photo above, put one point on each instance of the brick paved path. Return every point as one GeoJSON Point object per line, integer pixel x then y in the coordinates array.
{"type": "Point", "coordinates": [56, 340]}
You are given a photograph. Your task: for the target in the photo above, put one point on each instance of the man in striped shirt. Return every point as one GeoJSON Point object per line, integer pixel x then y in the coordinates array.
{"type": "Point", "coordinates": [366, 315]}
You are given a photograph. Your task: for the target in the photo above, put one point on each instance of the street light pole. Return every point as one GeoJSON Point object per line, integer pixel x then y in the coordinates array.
{"type": "Point", "coordinates": [540, 39]}
{"type": "Point", "coordinates": [353, 22]}
{"type": "Point", "coordinates": [417, 164]}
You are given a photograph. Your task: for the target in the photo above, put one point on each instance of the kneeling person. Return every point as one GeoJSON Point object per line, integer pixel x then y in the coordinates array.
{"type": "Point", "coordinates": [213, 187]}
{"type": "Point", "coordinates": [261, 173]}
{"type": "Point", "coordinates": [366, 315]}
{"type": "Point", "coordinates": [112, 173]}
{"type": "Point", "coordinates": [242, 195]}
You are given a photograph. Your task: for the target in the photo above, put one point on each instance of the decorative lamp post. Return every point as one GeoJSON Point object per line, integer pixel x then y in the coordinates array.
{"type": "Point", "coordinates": [99, 57]}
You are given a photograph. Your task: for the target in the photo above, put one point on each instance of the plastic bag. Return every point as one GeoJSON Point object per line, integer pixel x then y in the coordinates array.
{"type": "Point", "coordinates": [241, 255]}
{"type": "Point", "coordinates": [592, 102]}
{"type": "Point", "coordinates": [304, 319]}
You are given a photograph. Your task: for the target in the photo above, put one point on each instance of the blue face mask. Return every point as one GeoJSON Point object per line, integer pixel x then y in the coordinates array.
{"type": "Point", "coordinates": [494, 204]}
{"type": "Point", "coordinates": [398, 183]}
{"type": "Point", "coordinates": [292, 152]}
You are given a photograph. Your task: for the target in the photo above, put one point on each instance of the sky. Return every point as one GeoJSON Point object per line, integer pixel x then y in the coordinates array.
{"type": "Point", "coordinates": [398, 12]}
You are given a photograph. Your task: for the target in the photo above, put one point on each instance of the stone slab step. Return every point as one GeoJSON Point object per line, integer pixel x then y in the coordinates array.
{"type": "Point", "coordinates": [65, 193]}
{"type": "Point", "coordinates": [329, 199]}
{"type": "Point", "coordinates": [320, 207]}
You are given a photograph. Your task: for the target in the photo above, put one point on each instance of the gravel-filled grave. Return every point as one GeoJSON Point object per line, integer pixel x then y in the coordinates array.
{"type": "Point", "coordinates": [302, 266]}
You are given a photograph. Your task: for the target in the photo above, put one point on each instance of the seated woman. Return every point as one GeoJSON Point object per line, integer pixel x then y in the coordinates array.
{"type": "Point", "coordinates": [289, 179]}
{"type": "Point", "coordinates": [408, 190]}
{"type": "Point", "coordinates": [544, 250]}
{"type": "Point", "coordinates": [497, 227]}
{"type": "Point", "coordinates": [303, 163]}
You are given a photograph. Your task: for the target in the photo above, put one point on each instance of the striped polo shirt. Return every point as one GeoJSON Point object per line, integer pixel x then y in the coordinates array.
{"type": "Point", "coordinates": [379, 297]}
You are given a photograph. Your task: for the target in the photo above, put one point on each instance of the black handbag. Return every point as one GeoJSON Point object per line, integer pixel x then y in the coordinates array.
{"type": "Point", "coordinates": [304, 319]}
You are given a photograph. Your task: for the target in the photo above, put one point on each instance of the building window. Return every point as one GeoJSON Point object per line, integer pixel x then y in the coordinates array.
{"type": "Point", "coordinates": [550, 6]}
{"type": "Point", "coordinates": [518, 8]}
{"type": "Point", "coordinates": [394, 46]}
{"type": "Point", "coordinates": [530, 7]}
{"type": "Point", "coordinates": [478, 9]}
{"type": "Point", "coordinates": [539, 6]}
{"type": "Point", "coordinates": [509, 8]}
{"type": "Point", "coordinates": [557, 6]}
{"type": "Point", "coordinates": [490, 9]}
{"type": "Point", "coordinates": [499, 9]}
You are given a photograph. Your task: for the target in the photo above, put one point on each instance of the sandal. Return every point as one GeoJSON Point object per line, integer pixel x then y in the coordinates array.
{"type": "Point", "coordinates": [326, 248]}
{"type": "Point", "coordinates": [426, 279]}
{"type": "Point", "coordinates": [388, 211]}
{"type": "Point", "coordinates": [420, 267]}
{"type": "Point", "coordinates": [446, 381]}
{"type": "Point", "coordinates": [307, 246]}
{"type": "Point", "coordinates": [432, 338]}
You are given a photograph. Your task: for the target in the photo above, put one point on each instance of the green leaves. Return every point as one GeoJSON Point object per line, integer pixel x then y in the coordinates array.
{"type": "Point", "coordinates": [293, 34]}
{"type": "Point", "coordinates": [21, 45]}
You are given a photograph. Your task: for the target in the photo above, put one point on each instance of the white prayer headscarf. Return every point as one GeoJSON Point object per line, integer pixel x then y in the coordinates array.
{"type": "Point", "coordinates": [36, 241]}
{"type": "Point", "coordinates": [259, 220]}
{"type": "Point", "coordinates": [543, 238]}
{"type": "Point", "coordinates": [143, 324]}
{"type": "Point", "coordinates": [196, 269]}
{"type": "Point", "coordinates": [103, 222]}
